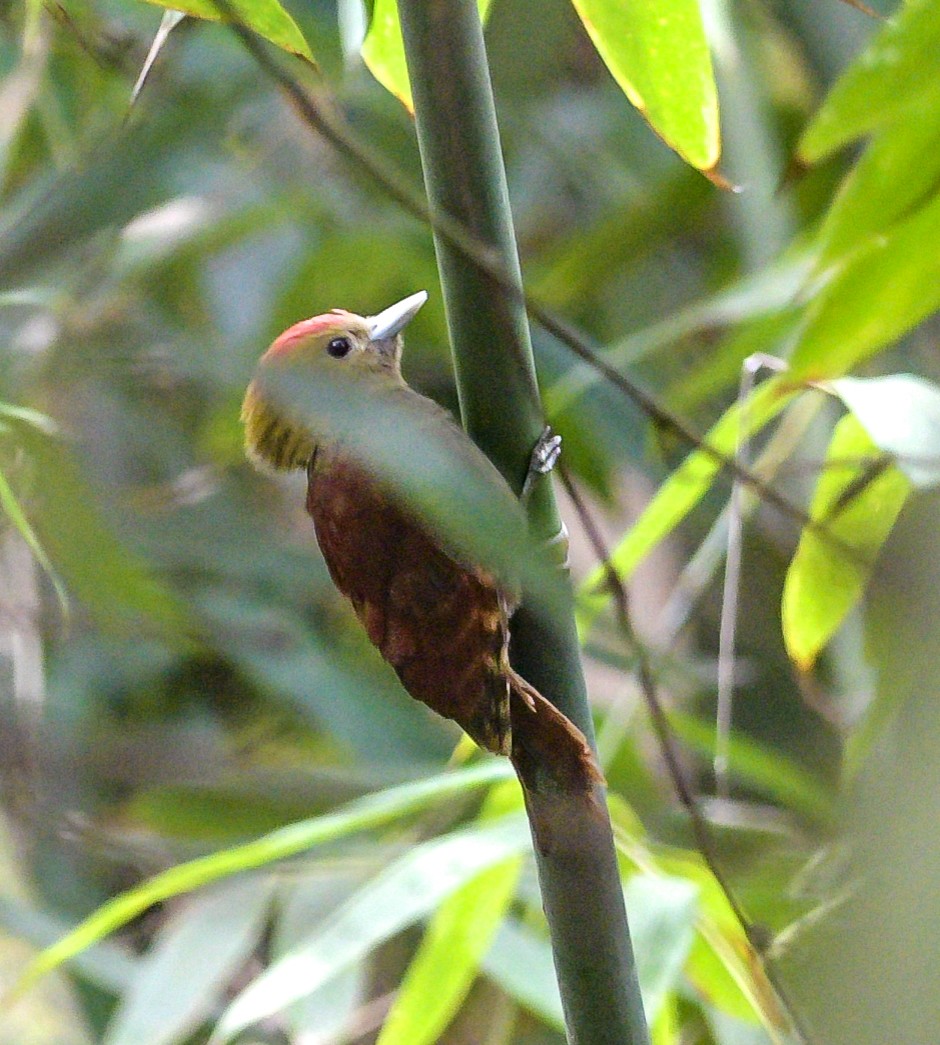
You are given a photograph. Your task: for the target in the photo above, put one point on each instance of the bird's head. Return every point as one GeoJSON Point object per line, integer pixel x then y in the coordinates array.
{"type": "Point", "coordinates": [366, 345]}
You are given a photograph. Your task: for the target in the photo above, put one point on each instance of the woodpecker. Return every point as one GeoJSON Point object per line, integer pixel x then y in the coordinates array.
{"type": "Point", "coordinates": [440, 621]}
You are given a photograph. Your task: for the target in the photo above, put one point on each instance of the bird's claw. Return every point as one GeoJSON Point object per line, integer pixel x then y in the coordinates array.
{"type": "Point", "coordinates": [543, 458]}
{"type": "Point", "coordinates": [546, 452]}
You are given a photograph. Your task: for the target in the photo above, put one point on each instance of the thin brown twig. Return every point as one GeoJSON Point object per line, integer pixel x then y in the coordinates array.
{"type": "Point", "coordinates": [754, 933]}
{"type": "Point", "coordinates": [865, 9]}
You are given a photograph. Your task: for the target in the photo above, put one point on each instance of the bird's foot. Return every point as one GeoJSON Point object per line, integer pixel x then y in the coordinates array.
{"type": "Point", "coordinates": [543, 458]}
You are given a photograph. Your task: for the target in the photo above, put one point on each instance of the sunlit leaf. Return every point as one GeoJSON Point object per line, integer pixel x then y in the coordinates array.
{"type": "Point", "coordinates": [901, 414]}
{"type": "Point", "coordinates": [719, 951]}
{"type": "Point", "coordinates": [679, 494]}
{"type": "Point", "coordinates": [666, 1028]}
{"type": "Point", "coordinates": [895, 73]}
{"type": "Point", "coordinates": [362, 815]}
{"type": "Point", "coordinates": [446, 963]}
{"type": "Point", "coordinates": [266, 17]}
{"type": "Point", "coordinates": [443, 970]}
{"type": "Point", "coordinates": [897, 173]}
{"type": "Point", "coordinates": [384, 52]}
{"type": "Point", "coordinates": [881, 292]}
{"type": "Point", "coordinates": [657, 52]}
{"type": "Point", "coordinates": [719, 976]}
{"type": "Point", "coordinates": [824, 582]}
{"type": "Point", "coordinates": [110, 964]}
{"type": "Point", "coordinates": [404, 892]}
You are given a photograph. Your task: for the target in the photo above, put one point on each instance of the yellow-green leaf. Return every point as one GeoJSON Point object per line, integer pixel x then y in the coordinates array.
{"type": "Point", "coordinates": [896, 72]}
{"type": "Point", "coordinates": [363, 814]}
{"type": "Point", "coordinates": [897, 174]}
{"type": "Point", "coordinates": [657, 52]}
{"type": "Point", "coordinates": [824, 582]}
{"type": "Point", "coordinates": [901, 413]}
{"type": "Point", "coordinates": [384, 52]}
{"type": "Point", "coordinates": [884, 289]}
{"type": "Point", "coordinates": [445, 965]}
{"type": "Point", "coordinates": [406, 890]}
{"type": "Point", "coordinates": [266, 17]}
{"type": "Point", "coordinates": [457, 938]}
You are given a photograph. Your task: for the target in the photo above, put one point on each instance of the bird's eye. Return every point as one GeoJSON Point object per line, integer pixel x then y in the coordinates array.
{"type": "Point", "coordinates": [339, 347]}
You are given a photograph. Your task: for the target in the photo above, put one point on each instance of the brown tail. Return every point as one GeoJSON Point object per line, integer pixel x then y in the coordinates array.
{"type": "Point", "coordinates": [549, 752]}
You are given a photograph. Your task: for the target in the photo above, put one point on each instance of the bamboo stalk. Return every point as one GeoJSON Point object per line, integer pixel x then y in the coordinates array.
{"type": "Point", "coordinates": [465, 179]}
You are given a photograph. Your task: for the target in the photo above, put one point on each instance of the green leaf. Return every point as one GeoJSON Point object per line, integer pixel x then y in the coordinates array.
{"type": "Point", "coordinates": [183, 975]}
{"type": "Point", "coordinates": [760, 767]}
{"type": "Point", "coordinates": [901, 414]}
{"type": "Point", "coordinates": [662, 925]}
{"type": "Point", "coordinates": [718, 974]}
{"type": "Point", "coordinates": [37, 424]}
{"type": "Point", "coordinates": [266, 17]}
{"type": "Point", "coordinates": [213, 814]}
{"type": "Point", "coordinates": [26, 416]}
{"type": "Point", "coordinates": [720, 945]}
{"type": "Point", "coordinates": [384, 52]}
{"type": "Point", "coordinates": [445, 966]}
{"type": "Point", "coordinates": [110, 965]}
{"type": "Point", "coordinates": [354, 697]}
{"type": "Point", "coordinates": [116, 586]}
{"type": "Point", "coordinates": [893, 75]}
{"type": "Point", "coordinates": [882, 291]}
{"type": "Point", "coordinates": [372, 811]}
{"type": "Point", "coordinates": [897, 174]}
{"type": "Point", "coordinates": [457, 937]}
{"type": "Point", "coordinates": [657, 52]}
{"type": "Point", "coordinates": [404, 892]}
{"type": "Point", "coordinates": [764, 296]}
{"type": "Point", "coordinates": [13, 510]}
{"type": "Point", "coordinates": [823, 582]}
{"type": "Point", "coordinates": [680, 493]}
{"type": "Point", "coordinates": [330, 1009]}
{"type": "Point", "coordinates": [662, 910]}
{"type": "Point", "coordinates": [520, 961]}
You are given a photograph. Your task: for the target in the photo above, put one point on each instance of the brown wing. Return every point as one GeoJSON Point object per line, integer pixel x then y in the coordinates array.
{"type": "Point", "coordinates": [441, 625]}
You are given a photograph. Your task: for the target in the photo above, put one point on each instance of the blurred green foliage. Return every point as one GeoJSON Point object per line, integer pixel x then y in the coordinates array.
{"type": "Point", "coordinates": [208, 686]}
